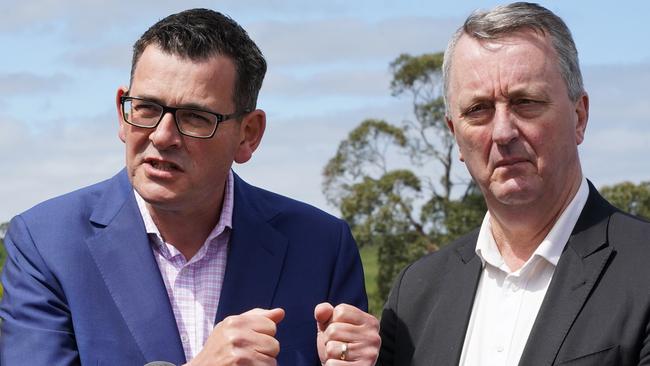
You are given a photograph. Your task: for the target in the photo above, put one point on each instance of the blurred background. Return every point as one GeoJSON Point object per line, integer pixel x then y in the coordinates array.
{"type": "Point", "coordinates": [329, 70]}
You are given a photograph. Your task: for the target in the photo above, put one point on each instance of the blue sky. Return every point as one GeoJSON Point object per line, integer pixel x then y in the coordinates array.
{"type": "Point", "coordinates": [328, 70]}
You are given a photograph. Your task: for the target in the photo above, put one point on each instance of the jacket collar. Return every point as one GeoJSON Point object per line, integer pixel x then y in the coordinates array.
{"type": "Point", "coordinates": [581, 264]}
{"type": "Point", "coordinates": [123, 255]}
{"type": "Point", "coordinates": [256, 253]}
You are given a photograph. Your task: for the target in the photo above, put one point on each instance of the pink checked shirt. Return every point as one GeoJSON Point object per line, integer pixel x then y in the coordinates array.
{"type": "Point", "coordinates": [193, 286]}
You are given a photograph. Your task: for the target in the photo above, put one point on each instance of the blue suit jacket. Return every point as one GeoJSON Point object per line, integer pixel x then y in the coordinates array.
{"type": "Point", "coordinates": [82, 285]}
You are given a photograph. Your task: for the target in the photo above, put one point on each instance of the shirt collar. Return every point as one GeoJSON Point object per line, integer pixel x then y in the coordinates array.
{"type": "Point", "coordinates": [225, 217]}
{"type": "Point", "coordinates": [553, 244]}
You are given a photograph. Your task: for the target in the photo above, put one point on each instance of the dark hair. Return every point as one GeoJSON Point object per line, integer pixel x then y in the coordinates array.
{"type": "Point", "coordinates": [199, 34]}
{"type": "Point", "coordinates": [507, 19]}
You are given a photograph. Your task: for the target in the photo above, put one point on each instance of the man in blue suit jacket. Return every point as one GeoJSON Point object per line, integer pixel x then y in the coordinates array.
{"type": "Point", "coordinates": [85, 281]}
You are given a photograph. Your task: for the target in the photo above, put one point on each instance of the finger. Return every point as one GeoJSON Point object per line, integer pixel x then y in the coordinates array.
{"type": "Point", "coordinates": [276, 314]}
{"type": "Point", "coordinates": [323, 315]}
{"type": "Point", "coordinates": [344, 332]}
{"type": "Point", "coordinates": [345, 313]}
{"type": "Point", "coordinates": [265, 344]}
{"type": "Point", "coordinates": [337, 362]}
{"type": "Point", "coordinates": [336, 350]}
{"type": "Point", "coordinates": [256, 320]}
{"type": "Point", "coordinates": [265, 360]}
{"type": "Point", "coordinates": [250, 356]}
{"type": "Point", "coordinates": [234, 342]}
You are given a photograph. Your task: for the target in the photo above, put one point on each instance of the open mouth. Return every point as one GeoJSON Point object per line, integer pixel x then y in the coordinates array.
{"type": "Point", "coordinates": [163, 165]}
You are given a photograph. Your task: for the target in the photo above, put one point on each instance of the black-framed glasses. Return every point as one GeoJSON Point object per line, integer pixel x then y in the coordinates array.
{"type": "Point", "coordinates": [191, 122]}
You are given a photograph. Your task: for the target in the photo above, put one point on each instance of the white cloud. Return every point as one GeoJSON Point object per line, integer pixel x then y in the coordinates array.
{"type": "Point", "coordinates": [52, 161]}
{"type": "Point", "coordinates": [617, 142]}
{"type": "Point", "coordinates": [113, 56]}
{"type": "Point", "coordinates": [349, 40]}
{"type": "Point", "coordinates": [29, 83]}
{"type": "Point", "coordinates": [369, 82]}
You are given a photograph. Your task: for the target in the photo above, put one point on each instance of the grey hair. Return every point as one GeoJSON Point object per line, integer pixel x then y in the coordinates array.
{"type": "Point", "coordinates": [506, 19]}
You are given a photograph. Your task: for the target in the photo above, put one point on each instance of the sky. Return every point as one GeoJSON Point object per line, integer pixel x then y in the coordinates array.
{"type": "Point", "coordinates": [63, 61]}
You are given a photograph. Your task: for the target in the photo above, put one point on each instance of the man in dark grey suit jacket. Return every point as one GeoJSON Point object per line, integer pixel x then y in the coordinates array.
{"type": "Point", "coordinates": [555, 275]}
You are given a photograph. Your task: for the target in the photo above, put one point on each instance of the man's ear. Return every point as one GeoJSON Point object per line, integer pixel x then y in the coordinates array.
{"type": "Point", "coordinates": [120, 118]}
{"type": "Point", "coordinates": [582, 114]}
{"type": "Point", "coordinates": [251, 131]}
{"type": "Point", "coordinates": [450, 125]}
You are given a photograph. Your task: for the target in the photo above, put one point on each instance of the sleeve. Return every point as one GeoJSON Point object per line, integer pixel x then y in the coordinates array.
{"type": "Point", "coordinates": [348, 284]}
{"type": "Point", "coordinates": [388, 327]}
{"type": "Point", "coordinates": [644, 354]}
{"type": "Point", "coordinates": [36, 324]}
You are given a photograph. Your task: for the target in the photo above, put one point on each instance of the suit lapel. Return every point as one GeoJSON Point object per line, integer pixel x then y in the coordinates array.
{"type": "Point", "coordinates": [448, 328]}
{"type": "Point", "coordinates": [122, 253]}
{"type": "Point", "coordinates": [580, 266]}
{"type": "Point", "coordinates": [255, 256]}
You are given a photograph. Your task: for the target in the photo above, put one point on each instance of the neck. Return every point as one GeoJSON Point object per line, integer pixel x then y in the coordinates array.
{"type": "Point", "coordinates": [519, 230]}
{"type": "Point", "coordinates": [186, 230]}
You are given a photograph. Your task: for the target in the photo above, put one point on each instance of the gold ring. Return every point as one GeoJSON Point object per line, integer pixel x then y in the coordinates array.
{"type": "Point", "coordinates": [344, 351]}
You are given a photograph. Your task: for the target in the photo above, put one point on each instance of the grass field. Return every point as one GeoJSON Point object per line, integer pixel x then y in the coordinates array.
{"type": "Point", "coordinates": [370, 268]}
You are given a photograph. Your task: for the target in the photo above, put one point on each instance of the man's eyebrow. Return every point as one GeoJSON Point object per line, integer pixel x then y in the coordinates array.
{"type": "Point", "coordinates": [474, 98]}
{"type": "Point", "coordinates": [151, 98]}
{"type": "Point", "coordinates": [155, 99]}
{"type": "Point", "coordinates": [528, 90]}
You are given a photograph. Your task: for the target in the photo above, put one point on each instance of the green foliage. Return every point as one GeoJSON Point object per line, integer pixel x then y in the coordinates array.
{"type": "Point", "coordinates": [411, 72]}
{"type": "Point", "coordinates": [630, 197]}
{"type": "Point", "coordinates": [362, 150]}
{"type": "Point", "coordinates": [393, 183]}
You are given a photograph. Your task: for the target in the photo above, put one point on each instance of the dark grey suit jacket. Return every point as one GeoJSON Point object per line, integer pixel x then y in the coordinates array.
{"type": "Point", "coordinates": [596, 310]}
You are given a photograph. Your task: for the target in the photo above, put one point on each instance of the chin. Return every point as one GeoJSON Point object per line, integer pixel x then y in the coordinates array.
{"type": "Point", "coordinates": [154, 193]}
{"type": "Point", "coordinates": [514, 192]}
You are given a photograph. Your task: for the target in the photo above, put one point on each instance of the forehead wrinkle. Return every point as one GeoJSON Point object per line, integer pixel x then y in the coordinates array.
{"type": "Point", "coordinates": [518, 71]}
{"type": "Point", "coordinates": [475, 85]}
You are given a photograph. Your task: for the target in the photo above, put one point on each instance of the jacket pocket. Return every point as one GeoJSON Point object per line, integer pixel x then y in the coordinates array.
{"type": "Point", "coordinates": [604, 356]}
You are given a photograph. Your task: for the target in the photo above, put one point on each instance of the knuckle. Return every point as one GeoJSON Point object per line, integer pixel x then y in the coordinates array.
{"type": "Point", "coordinates": [374, 322]}
{"type": "Point", "coordinates": [340, 310]}
{"type": "Point", "coordinates": [240, 357]}
{"type": "Point", "coordinates": [330, 348]}
{"type": "Point", "coordinates": [376, 341]}
{"type": "Point", "coordinates": [230, 338]}
{"type": "Point", "coordinates": [275, 350]}
{"type": "Point", "coordinates": [232, 321]}
{"type": "Point", "coordinates": [235, 339]}
{"type": "Point", "coordinates": [331, 330]}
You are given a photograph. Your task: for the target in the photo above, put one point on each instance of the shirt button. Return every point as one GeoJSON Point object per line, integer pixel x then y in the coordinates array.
{"type": "Point", "coordinates": [499, 349]}
{"type": "Point", "coordinates": [184, 338]}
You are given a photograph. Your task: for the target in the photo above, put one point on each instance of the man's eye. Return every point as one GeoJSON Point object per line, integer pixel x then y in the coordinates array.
{"type": "Point", "coordinates": [198, 118]}
{"type": "Point", "coordinates": [143, 107]}
{"type": "Point", "coordinates": [475, 110]}
{"type": "Point", "coordinates": [523, 101]}
{"type": "Point", "coordinates": [528, 108]}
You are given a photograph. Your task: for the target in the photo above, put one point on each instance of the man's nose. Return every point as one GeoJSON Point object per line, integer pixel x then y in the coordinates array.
{"type": "Point", "coordinates": [505, 128]}
{"type": "Point", "coordinates": [166, 134]}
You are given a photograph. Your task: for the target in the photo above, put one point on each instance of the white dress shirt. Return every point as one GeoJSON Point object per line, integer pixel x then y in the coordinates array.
{"type": "Point", "coordinates": [507, 302]}
{"type": "Point", "coordinates": [194, 286]}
